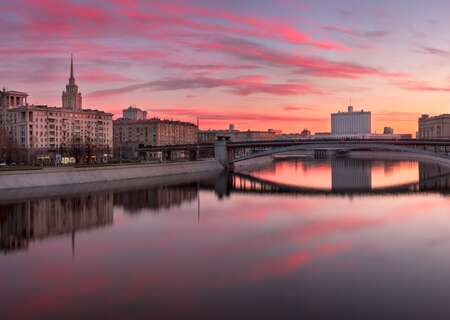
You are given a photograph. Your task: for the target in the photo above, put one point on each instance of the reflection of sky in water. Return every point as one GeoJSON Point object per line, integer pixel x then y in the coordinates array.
{"type": "Point", "coordinates": [394, 173]}
{"type": "Point", "coordinates": [319, 173]}
{"type": "Point", "coordinates": [245, 256]}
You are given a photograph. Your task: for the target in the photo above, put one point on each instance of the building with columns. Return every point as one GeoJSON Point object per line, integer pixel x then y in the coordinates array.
{"type": "Point", "coordinates": [437, 127]}
{"type": "Point", "coordinates": [55, 132]}
{"type": "Point", "coordinates": [10, 99]}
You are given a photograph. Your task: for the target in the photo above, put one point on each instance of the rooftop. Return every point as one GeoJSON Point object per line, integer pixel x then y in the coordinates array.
{"type": "Point", "coordinates": [15, 93]}
{"type": "Point", "coordinates": [441, 116]}
{"type": "Point", "coordinates": [58, 109]}
{"type": "Point", "coordinates": [151, 120]}
{"type": "Point", "coordinates": [350, 110]}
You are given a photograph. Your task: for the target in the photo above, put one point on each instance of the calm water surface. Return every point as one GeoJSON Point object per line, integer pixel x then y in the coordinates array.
{"type": "Point", "coordinates": [332, 239]}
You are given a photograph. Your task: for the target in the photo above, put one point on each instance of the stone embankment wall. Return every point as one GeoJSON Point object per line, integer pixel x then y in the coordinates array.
{"type": "Point", "coordinates": [70, 176]}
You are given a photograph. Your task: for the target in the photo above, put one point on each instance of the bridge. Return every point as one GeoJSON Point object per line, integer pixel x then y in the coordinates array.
{"type": "Point", "coordinates": [229, 153]}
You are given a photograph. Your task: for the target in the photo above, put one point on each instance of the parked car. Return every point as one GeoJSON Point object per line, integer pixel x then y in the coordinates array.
{"type": "Point", "coordinates": [2, 164]}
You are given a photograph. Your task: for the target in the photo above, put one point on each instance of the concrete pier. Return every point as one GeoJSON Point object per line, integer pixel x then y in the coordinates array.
{"type": "Point", "coordinates": [221, 151]}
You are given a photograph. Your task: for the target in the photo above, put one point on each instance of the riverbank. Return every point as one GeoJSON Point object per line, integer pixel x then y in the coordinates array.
{"type": "Point", "coordinates": [51, 177]}
{"type": "Point", "coordinates": [21, 194]}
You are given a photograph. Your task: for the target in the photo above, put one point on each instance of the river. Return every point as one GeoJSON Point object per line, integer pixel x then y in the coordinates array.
{"type": "Point", "coordinates": [298, 239]}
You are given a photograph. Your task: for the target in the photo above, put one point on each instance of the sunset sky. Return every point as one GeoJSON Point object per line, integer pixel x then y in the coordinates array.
{"type": "Point", "coordinates": [259, 64]}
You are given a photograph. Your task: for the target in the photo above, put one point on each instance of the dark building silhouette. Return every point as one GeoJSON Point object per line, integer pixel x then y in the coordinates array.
{"type": "Point", "coordinates": [351, 174]}
{"type": "Point", "coordinates": [156, 198]}
{"type": "Point", "coordinates": [433, 177]}
{"type": "Point", "coordinates": [31, 220]}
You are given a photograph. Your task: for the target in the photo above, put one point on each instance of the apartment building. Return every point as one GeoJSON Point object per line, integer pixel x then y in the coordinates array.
{"type": "Point", "coordinates": [47, 131]}
{"type": "Point", "coordinates": [128, 133]}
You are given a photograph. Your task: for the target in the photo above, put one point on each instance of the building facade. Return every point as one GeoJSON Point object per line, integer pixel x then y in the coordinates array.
{"type": "Point", "coordinates": [8, 100]}
{"type": "Point", "coordinates": [133, 113]}
{"type": "Point", "coordinates": [437, 127]}
{"type": "Point", "coordinates": [51, 128]}
{"type": "Point", "coordinates": [12, 98]}
{"type": "Point", "coordinates": [351, 122]}
{"type": "Point", "coordinates": [47, 132]}
{"type": "Point", "coordinates": [210, 136]}
{"type": "Point", "coordinates": [129, 134]}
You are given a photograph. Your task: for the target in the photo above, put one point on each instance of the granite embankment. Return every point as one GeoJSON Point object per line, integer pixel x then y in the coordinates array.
{"type": "Point", "coordinates": [50, 177]}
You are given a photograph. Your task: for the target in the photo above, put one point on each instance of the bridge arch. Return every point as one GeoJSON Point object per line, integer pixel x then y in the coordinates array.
{"type": "Point", "coordinates": [349, 146]}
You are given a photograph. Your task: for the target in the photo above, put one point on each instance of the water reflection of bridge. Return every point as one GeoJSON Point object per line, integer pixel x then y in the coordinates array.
{"type": "Point", "coordinates": [245, 183]}
{"type": "Point", "coordinates": [346, 180]}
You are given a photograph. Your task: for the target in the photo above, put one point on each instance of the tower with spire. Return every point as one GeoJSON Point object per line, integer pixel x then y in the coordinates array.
{"type": "Point", "coordinates": [71, 98]}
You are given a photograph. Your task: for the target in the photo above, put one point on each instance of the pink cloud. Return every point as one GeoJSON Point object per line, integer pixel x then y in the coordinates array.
{"type": "Point", "coordinates": [412, 85]}
{"type": "Point", "coordinates": [355, 33]}
{"type": "Point", "coordinates": [315, 66]}
{"type": "Point", "coordinates": [67, 19]}
{"type": "Point", "coordinates": [62, 17]}
{"type": "Point", "coordinates": [211, 67]}
{"type": "Point", "coordinates": [230, 116]}
{"type": "Point", "coordinates": [264, 28]}
{"type": "Point", "coordinates": [239, 85]}
{"type": "Point", "coordinates": [436, 52]}
{"type": "Point", "coordinates": [295, 108]}
{"type": "Point", "coordinates": [99, 75]}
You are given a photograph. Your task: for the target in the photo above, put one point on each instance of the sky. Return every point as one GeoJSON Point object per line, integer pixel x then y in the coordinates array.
{"type": "Point", "coordinates": [259, 64]}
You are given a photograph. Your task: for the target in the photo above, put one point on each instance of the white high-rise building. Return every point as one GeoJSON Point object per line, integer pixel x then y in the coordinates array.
{"type": "Point", "coordinates": [351, 122]}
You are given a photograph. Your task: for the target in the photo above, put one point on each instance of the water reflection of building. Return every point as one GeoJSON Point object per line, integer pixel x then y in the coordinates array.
{"type": "Point", "coordinates": [156, 198]}
{"type": "Point", "coordinates": [27, 221]}
{"type": "Point", "coordinates": [351, 174]}
{"type": "Point", "coordinates": [23, 222]}
{"type": "Point", "coordinates": [433, 176]}
{"type": "Point", "coordinates": [389, 167]}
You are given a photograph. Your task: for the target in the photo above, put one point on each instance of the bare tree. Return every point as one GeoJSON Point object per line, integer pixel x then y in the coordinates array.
{"type": "Point", "coordinates": [8, 148]}
{"type": "Point", "coordinates": [3, 144]}
{"type": "Point", "coordinates": [90, 149]}
{"type": "Point", "coordinates": [76, 149]}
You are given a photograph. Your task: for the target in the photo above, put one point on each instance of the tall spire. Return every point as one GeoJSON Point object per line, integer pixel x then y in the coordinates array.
{"type": "Point", "coordinates": [71, 98]}
{"type": "Point", "coordinates": [71, 79]}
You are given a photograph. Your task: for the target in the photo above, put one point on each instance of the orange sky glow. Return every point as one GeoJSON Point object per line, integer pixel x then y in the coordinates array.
{"type": "Point", "coordinates": [258, 64]}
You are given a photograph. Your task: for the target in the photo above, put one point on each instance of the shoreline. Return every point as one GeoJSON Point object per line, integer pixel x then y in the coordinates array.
{"type": "Point", "coordinates": [22, 194]}
{"type": "Point", "coordinates": [10, 181]}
